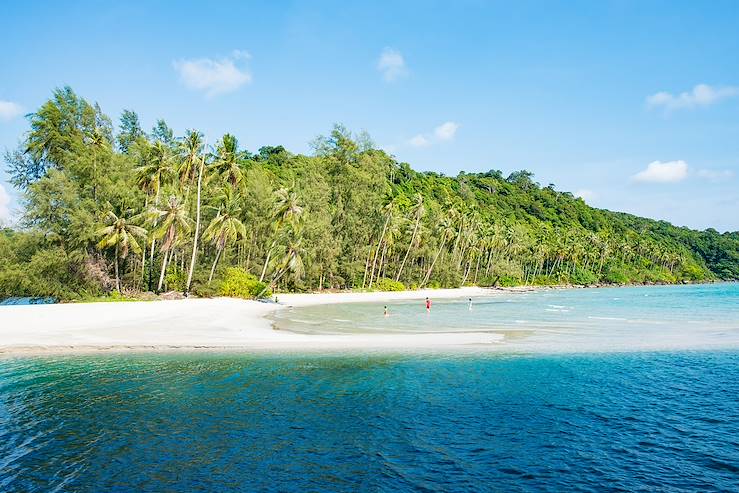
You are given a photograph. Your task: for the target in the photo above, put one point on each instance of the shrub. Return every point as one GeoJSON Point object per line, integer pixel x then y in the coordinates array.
{"type": "Point", "coordinates": [385, 284]}
{"type": "Point", "coordinates": [238, 283]}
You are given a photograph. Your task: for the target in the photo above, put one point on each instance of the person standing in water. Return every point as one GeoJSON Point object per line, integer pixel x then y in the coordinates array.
{"type": "Point", "coordinates": [470, 307]}
{"type": "Point", "coordinates": [386, 313]}
{"type": "Point", "coordinates": [428, 305]}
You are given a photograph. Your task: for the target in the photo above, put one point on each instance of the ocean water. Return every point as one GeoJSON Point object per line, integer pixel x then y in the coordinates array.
{"type": "Point", "coordinates": [570, 320]}
{"type": "Point", "coordinates": [219, 423]}
{"type": "Point", "coordinates": [528, 419]}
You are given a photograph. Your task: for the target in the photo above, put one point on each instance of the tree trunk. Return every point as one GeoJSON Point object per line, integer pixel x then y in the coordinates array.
{"type": "Point", "coordinates": [431, 267]}
{"type": "Point", "coordinates": [197, 231]}
{"type": "Point", "coordinates": [215, 262]}
{"type": "Point", "coordinates": [117, 276]}
{"type": "Point", "coordinates": [408, 252]}
{"type": "Point", "coordinates": [266, 262]}
{"type": "Point", "coordinates": [161, 274]}
{"type": "Point", "coordinates": [379, 245]}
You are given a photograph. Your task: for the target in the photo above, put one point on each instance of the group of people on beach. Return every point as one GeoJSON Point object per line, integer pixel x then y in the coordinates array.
{"type": "Point", "coordinates": [428, 306]}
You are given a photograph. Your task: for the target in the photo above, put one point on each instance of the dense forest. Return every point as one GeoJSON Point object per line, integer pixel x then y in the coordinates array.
{"type": "Point", "coordinates": [116, 209]}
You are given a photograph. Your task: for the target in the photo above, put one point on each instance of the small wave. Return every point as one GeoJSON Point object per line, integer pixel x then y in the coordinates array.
{"type": "Point", "coordinates": [608, 318]}
{"type": "Point", "coordinates": [309, 322]}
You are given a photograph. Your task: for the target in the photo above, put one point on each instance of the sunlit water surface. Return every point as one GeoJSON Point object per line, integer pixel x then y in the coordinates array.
{"type": "Point", "coordinates": [524, 420]}
{"type": "Point", "coordinates": [591, 320]}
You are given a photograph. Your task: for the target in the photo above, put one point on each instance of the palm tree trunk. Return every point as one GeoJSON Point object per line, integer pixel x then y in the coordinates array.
{"type": "Point", "coordinates": [408, 252]}
{"type": "Point", "coordinates": [161, 274]}
{"type": "Point", "coordinates": [197, 231]}
{"type": "Point", "coordinates": [215, 262]}
{"type": "Point", "coordinates": [266, 262]}
{"type": "Point", "coordinates": [117, 276]}
{"type": "Point", "coordinates": [431, 267]}
{"type": "Point", "coordinates": [379, 245]}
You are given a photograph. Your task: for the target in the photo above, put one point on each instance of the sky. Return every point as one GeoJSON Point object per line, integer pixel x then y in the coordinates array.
{"type": "Point", "coordinates": [633, 106]}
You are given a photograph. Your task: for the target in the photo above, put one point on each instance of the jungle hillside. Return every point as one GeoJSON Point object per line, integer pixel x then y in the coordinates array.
{"type": "Point", "coordinates": [114, 208]}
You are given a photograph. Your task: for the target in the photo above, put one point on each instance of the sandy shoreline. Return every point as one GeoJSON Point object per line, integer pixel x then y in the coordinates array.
{"type": "Point", "coordinates": [206, 324]}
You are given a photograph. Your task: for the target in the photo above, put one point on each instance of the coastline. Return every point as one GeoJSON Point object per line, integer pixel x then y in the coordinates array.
{"type": "Point", "coordinates": [201, 324]}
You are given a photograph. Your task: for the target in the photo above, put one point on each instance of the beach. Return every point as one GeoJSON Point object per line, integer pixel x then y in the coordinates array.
{"type": "Point", "coordinates": [207, 324]}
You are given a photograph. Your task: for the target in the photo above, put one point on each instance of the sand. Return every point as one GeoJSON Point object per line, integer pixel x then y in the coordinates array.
{"type": "Point", "coordinates": [206, 324]}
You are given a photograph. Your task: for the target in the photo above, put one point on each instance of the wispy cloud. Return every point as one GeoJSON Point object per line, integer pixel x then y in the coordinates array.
{"type": "Point", "coordinates": [392, 65]}
{"type": "Point", "coordinates": [215, 76]}
{"type": "Point", "coordinates": [715, 174]}
{"type": "Point", "coordinates": [4, 205]}
{"type": "Point", "coordinates": [659, 172]}
{"type": "Point", "coordinates": [419, 141]}
{"type": "Point", "coordinates": [701, 95]}
{"type": "Point", "coordinates": [9, 110]}
{"type": "Point", "coordinates": [446, 131]}
{"type": "Point", "coordinates": [443, 133]}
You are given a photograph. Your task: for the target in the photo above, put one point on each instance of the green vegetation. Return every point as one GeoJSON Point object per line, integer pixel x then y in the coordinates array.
{"type": "Point", "coordinates": [134, 212]}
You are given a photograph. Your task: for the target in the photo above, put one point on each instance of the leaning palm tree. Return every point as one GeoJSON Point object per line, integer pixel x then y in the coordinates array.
{"type": "Point", "coordinates": [291, 262]}
{"type": "Point", "coordinates": [445, 231]}
{"type": "Point", "coordinates": [121, 234]}
{"type": "Point", "coordinates": [225, 226]}
{"type": "Point", "coordinates": [227, 161]}
{"type": "Point", "coordinates": [172, 220]}
{"type": "Point", "coordinates": [418, 212]}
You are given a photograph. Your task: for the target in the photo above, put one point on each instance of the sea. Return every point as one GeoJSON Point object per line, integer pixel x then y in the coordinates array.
{"type": "Point", "coordinates": [592, 390]}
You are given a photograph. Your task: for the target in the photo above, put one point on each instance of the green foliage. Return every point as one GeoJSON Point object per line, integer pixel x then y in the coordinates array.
{"type": "Point", "coordinates": [385, 284]}
{"type": "Point", "coordinates": [237, 283]}
{"type": "Point", "coordinates": [348, 217]}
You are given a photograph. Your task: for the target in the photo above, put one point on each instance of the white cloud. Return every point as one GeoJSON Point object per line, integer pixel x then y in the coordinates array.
{"type": "Point", "coordinates": [419, 141]}
{"type": "Point", "coordinates": [214, 76]}
{"type": "Point", "coordinates": [715, 174]}
{"type": "Point", "coordinates": [659, 172]}
{"type": "Point", "coordinates": [392, 65]}
{"type": "Point", "coordinates": [585, 194]}
{"type": "Point", "coordinates": [4, 205]}
{"type": "Point", "coordinates": [9, 110]}
{"type": "Point", "coordinates": [701, 95]}
{"type": "Point", "coordinates": [446, 131]}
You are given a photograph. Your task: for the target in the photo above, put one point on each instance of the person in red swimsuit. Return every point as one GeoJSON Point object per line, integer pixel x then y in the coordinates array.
{"type": "Point", "coordinates": [428, 305]}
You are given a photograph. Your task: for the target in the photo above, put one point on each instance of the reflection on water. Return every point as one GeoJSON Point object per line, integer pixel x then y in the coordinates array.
{"type": "Point", "coordinates": [620, 319]}
{"type": "Point", "coordinates": [628, 422]}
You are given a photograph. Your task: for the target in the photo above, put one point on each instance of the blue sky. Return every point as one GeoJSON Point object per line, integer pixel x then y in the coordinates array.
{"type": "Point", "coordinates": [634, 105]}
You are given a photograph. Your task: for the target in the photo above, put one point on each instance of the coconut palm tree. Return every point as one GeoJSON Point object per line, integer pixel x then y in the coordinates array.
{"type": "Point", "coordinates": [418, 212]}
{"type": "Point", "coordinates": [287, 211]}
{"type": "Point", "coordinates": [156, 169]}
{"type": "Point", "coordinates": [227, 161]}
{"type": "Point", "coordinates": [121, 234]}
{"type": "Point", "coordinates": [190, 148]}
{"type": "Point", "coordinates": [445, 231]}
{"type": "Point", "coordinates": [225, 226]}
{"type": "Point", "coordinates": [172, 220]}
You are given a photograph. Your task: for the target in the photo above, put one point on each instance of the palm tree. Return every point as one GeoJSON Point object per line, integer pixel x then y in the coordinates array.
{"type": "Point", "coordinates": [121, 234]}
{"type": "Point", "coordinates": [446, 231]}
{"type": "Point", "coordinates": [225, 227]}
{"type": "Point", "coordinates": [173, 221]}
{"type": "Point", "coordinates": [155, 170]}
{"type": "Point", "coordinates": [191, 158]}
{"type": "Point", "coordinates": [151, 175]}
{"type": "Point", "coordinates": [227, 162]}
{"type": "Point", "coordinates": [287, 211]}
{"type": "Point", "coordinates": [192, 146]}
{"type": "Point", "coordinates": [291, 262]}
{"type": "Point", "coordinates": [419, 211]}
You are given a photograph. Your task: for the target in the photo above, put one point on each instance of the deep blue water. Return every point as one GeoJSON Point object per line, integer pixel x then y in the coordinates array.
{"type": "Point", "coordinates": [647, 421]}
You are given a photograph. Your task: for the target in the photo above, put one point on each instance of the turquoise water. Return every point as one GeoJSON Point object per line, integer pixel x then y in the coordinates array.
{"type": "Point", "coordinates": [589, 320]}
{"type": "Point", "coordinates": [525, 420]}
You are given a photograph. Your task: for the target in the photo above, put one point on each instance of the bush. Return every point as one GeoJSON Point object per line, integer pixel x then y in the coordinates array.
{"type": "Point", "coordinates": [238, 283]}
{"type": "Point", "coordinates": [385, 284]}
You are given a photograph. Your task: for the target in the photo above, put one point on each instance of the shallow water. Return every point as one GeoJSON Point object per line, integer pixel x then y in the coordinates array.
{"type": "Point", "coordinates": [609, 422]}
{"type": "Point", "coordinates": [591, 320]}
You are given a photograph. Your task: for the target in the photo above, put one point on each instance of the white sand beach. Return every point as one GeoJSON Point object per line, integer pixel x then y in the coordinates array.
{"type": "Point", "coordinates": [208, 324]}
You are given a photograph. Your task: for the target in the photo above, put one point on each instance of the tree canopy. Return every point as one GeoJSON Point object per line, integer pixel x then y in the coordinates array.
{"type": "Point", "coordinates": [107, 209]}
